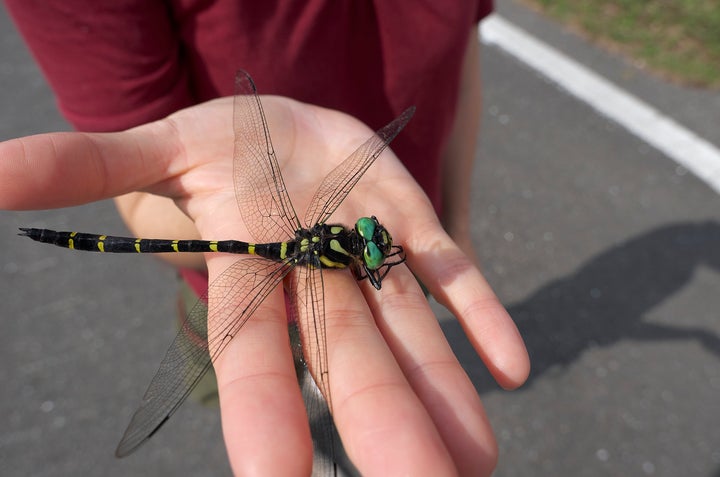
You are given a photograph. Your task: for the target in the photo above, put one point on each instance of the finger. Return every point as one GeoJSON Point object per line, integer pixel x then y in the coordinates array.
{"type": "Point", "coordinates": [385, 428]}
{"type": "Point", "coordinates": [263, 415]}
{"type": "Point", "coordinates": [415, 338]}
{"type": "Point", "coordinates": [64, 169]}
{"type": "Point", "coordinates": [457, 284]}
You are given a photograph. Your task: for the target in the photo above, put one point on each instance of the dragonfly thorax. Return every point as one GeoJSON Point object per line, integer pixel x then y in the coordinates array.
{"type": "Point", "coordinates": [325, 246]}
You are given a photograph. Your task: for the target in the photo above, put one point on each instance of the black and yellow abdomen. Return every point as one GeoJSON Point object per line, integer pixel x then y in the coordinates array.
{"type": "Point", "coordinates": [113, 244]}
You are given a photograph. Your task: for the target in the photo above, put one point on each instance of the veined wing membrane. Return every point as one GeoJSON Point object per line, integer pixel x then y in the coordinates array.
{"type": "Point", "coordinates": [309, 311]}
{"type": "Point", "coordinates": [233, 298]}
{"type": "Point", "coordinates": [340, 181]}
{"type": "Point", "coordinates": [260, 189]}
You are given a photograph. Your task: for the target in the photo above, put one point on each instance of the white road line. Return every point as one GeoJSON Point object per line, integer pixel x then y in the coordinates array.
{"type": "Point", "coordinates": [671, 138]}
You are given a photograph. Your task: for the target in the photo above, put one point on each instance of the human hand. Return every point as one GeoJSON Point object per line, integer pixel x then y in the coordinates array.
{"type": "Point", "coordinates": [401, 401]}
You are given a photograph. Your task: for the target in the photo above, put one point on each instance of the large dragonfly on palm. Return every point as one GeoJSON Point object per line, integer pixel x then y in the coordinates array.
{"type": "Point", "coordinates": [283, 247]}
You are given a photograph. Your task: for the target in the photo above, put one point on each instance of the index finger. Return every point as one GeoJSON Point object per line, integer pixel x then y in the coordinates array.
{"type": "Point", "coordinates": [63, 169]}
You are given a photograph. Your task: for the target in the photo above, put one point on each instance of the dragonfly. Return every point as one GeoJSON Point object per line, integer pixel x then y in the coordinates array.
{"type": "Point", "coordinates": [283, 247]}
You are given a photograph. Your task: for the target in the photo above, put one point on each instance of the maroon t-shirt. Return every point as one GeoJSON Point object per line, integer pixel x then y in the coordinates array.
{"type": "Point", "coordinates": [114, 64]}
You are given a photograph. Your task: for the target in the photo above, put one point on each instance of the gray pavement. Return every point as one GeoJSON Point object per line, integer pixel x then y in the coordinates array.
{"type": "Point", "coordinates": [605, 252]}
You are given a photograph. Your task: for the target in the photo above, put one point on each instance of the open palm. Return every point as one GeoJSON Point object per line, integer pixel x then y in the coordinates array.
{"type": "Point", "coordinates": [401, 401]}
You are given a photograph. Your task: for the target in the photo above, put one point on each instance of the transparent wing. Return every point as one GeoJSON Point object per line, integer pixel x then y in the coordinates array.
{"type": "Point", "coordinates": [326, 442]}
{"type": "Point", "coordinates": [311, 360]}
{"type": "Point", "coordinates": [259, 187]}
{"type": "Point", "coordinates": [340, 181]}
{"type": "Point", "coordinates": [233, 296]}
{"type": "Point", "coordinates": [309, 312]}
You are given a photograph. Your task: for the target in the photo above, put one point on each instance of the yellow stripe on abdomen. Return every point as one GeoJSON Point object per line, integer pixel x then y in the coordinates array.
{"type": "Point", "coordinates": [101, 243]}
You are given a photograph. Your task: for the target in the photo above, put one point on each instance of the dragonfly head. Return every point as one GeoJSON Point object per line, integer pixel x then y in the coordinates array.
{"type": "Point", "coordinates": [377, 242]}
{"type": "Point", "coordinates": [377, 248]}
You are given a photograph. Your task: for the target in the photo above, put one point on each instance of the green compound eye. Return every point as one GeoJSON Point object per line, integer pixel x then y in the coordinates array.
{"type": "Point", "coordinates": [366, 227]}
{"type": "Point", "coordinates": [374, 258]}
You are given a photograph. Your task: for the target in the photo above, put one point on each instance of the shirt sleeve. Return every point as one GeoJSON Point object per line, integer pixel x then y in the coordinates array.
{"type": "Point", "coordinates": [112, 64]}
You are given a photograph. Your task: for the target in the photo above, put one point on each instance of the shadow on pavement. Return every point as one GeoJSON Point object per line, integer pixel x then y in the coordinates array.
{"type": "Point", "coordinates": [605, 301]}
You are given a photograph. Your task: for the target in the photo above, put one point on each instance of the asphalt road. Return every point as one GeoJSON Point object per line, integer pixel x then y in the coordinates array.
{"type": "Point", "coordinates": [605, 252]}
